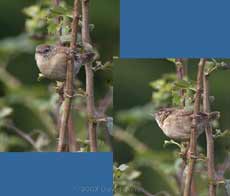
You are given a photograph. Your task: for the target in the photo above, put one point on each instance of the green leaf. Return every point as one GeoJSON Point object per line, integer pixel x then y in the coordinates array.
{"type": "Point", "coordinates": [185, 84]}
{"type": "Point", "coordinates": [52, 28]}
{"type": "Point", "coordinates": [5, 112]}
{"type": "Point", "coordinates": [123, 167]}
{"type": "Point", "coordinates": [210, 67]}
{"type": "Point", "coordinates": [168, 142]}
{"type": "Point", "coordinates": [65, 38]}
{"type": "Point", "coordinates": [91, 27]}
{"type": "Point", "coordinates": [40, 77]}
{"type": "Point", "coordinates": [182, 84]}
{"type": "Point", "coordinates": [173, 60]}
{"type": "Point", "coordinates": [176, 100]}
{"type": "Point", "coordinates": [133, 175]}
{"type": "Point", "coordinates": [157, 84]}
{"type": "Point", "coordinates": [60, 11]}
{"type": "Point", "coordinates": [65, 30]}
{"type": "Point", "coordinates": [31, 11]}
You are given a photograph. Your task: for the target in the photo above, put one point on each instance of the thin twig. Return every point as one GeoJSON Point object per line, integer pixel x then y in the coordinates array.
{"type": "Point", "coordinates": [103, 106]}
{"type": "Point", "coordinates": [105, 103]}
{"type": "Point", "coordinates": [23, 135]}
{"type": "Point", "coordinates": [92, 125]}
{"type": "Point", "coordinates": [193, 138]}
{"type": "Point", "coordinates": [108, 138]}
{"type": "Point", "coordinates": [132, 141]}
{"type": "Point", "coordinates": [69, 82]}
{"type": "Point", "coordinates": [73, 144]}
{"type": "Point", "coordinates": [193, 188]}
{"type": "Point", "coordinates": [181, 73]}
{"type": "Point", "coordinates": [10, 81]}
{"type": "Point", "coordinates": [57, 3]}
{"type": "Point", "coordinates": [223, 167]}
{"type": "Point", "coordinates": [146, 193]}
{"type": "Point", "coordinates": [179, 176]}
{"type": "Point", "coordinates": [209, 138]}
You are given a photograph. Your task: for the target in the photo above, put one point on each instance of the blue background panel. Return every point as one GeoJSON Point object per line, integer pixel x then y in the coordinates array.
{"type": "Point", "coordinates": [59, 174]}
{"type": "Point", "coordinates": [174, 28]}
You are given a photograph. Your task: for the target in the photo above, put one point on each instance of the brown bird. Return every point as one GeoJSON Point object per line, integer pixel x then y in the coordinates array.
{"type": "Point", "coordinates": [177, 123]}
{"type": "Point", "coordinates": [52, 60]}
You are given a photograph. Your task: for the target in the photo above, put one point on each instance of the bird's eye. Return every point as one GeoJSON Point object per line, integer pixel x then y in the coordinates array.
{"type": "Point", "coordinates": [46, 50]}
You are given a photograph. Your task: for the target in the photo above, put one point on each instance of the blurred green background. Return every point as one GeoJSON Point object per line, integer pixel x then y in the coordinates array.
{"type": "Point", "coordinates": [133, 106]}
{"type": "Point", "coordinates": [30, 104]}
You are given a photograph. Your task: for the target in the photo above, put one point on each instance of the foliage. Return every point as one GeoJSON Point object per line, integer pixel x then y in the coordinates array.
{"type": "Point", "coordinates": [50, 22]}
{"type": "Point", "coordinates": [124, 179]}
{"type": "Point", "coordinates": [43, 20]}
{"type": "Point", "coordinates": [166, 90]}
{"type": "Point", "coordinates": [162, 90]}
{"type": "Point", "coordinates": [29, 106]}
{"type": "Point", "coordinates": [161, 166]}
{"type": "Point", "coordinates": [136, 115]}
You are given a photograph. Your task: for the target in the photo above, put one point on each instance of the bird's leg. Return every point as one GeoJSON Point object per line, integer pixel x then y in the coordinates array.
{"type": "Point", "coordinates": [184, 150]}
{"type": "Point", "coordinates": [197, 118]}
{"type": "Point", "coordinates": [192, 155]}
{"type": "Point", "coordinates": [60, 89]}
{"type": "Point", "coordinates": [74, 93]}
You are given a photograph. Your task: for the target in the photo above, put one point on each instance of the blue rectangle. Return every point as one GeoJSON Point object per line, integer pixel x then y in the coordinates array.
{"type": "Point", "coordinates": [174, 28]}
{"type": "Point", "coordinates": [59, 174]}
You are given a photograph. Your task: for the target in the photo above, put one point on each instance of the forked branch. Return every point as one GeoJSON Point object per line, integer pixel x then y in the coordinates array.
{"type": "Point", "coordinates": [209, 138]}
{"type": "Point", "coordinates": [193, 138]}
{"type": "Point", "coordinates": [92, 125]}
{"type": "Point", "coordinates": [69, 82]}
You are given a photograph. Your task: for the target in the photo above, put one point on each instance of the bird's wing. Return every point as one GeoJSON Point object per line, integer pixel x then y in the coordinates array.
{"type": "Point", "coordinates": [184, 113]}
{"type": "Point", "coordinates": [83, 58]}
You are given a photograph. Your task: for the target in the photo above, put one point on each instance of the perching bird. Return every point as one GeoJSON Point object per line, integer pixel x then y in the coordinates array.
{"type": "Point", "coordinates": [52, 60]}
{"type": "Point", "coordinates": [177, 123]}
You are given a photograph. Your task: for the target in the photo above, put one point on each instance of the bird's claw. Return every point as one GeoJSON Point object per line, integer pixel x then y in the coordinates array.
{"type": "Point", "coordinates": [59, 88]}
{"type": "Point", "coordinates": [70, 96]}
{"type": "Point", "coordinates": [192, 155]}
{"type": "Point", "coordinates": [196, 116]}
{"type": "Point", "coordinates": [182, 155]}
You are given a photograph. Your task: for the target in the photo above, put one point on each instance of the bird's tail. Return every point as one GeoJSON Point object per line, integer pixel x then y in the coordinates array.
{"type": "Point", "coordinates": [213, 116]}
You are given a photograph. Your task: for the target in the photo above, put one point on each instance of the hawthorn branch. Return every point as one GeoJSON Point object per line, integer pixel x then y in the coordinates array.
{"type": "Point", "coordinates": [181, 68]}
{"type": "Point", "coordinates": [92, 125]}
{"type": "Point", "coordinates": [181, 71]}
{"type": "Point", "coordinates": [72, 141]}
{"type": "Point", "coordinates": [193, 138]}
{"type": "Point", "coordinates": [69, 82]}
{"type": "Point", "coordinates": [209, 138]}
{"type": "Point", "coordinates": [85, 23]}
